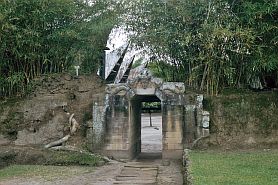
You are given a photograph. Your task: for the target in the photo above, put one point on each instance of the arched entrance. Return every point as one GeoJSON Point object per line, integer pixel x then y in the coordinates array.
{"type": "Point", "coordinates": [116, 125]}
{"type": "Point", "coordinates": [123, 116]}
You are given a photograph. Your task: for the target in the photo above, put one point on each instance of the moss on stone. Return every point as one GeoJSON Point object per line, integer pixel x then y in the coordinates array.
{"type": "Point", "coordinates": [242, 109]}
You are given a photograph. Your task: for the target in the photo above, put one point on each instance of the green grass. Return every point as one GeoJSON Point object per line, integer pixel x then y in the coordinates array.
{"type": "Point", "coordinates": [50, 164]}
{"type": "Point", "coordinates": [45, 172]}
{"type": "Point", "coordinates": [234, 168]}
{"type": "Point", "coordinates": [73, 158]}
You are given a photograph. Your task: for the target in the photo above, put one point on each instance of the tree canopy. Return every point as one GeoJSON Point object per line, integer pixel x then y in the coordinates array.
{"type": "Point", "coordinates": [50, 36]}
{"type": "Point", "coordinates": [209, 44]}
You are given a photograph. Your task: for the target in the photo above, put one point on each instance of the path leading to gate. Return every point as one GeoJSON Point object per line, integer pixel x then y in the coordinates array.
{"type": "Point", "coordinates": [137, 173]}
{"type": "Point", "coordinates": [150, 171]}
{"type": "Point", "coordinates": [142, 171]}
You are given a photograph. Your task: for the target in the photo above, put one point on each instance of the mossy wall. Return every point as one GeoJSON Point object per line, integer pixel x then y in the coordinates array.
{"type": "Point", "coordinates": [243, 119]}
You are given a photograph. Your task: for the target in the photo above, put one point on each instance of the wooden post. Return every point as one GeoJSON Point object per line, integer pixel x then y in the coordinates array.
{"type": "Point", "coordinates": [150, 112]}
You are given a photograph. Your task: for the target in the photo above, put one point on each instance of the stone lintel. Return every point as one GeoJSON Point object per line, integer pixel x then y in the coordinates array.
{"type": "Point", "coordinates": [116, 88]}
{"type": "Point", "coordinates": [146, 91]}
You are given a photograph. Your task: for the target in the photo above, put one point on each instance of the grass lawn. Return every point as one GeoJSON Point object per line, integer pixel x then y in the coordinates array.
{"type": "Point", "coordinates": [234, 168]}
{"type": "Point", "coordinates": [40, 171]}
{"type": "Point", "coordinates": [53, 165]}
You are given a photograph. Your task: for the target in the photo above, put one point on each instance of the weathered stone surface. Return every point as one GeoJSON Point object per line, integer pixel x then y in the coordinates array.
{"type": "Point", "coordinates": [205, 120]}
{"type": "Point", "coordinates": [3, 140]}
{"type": "Point", "coordinates": [53, 130]}
{"type": "Point", "coordinates": [174, 87]}
{"type": "Point", "coordinates": [250, 141]}
{"type": "Point", "coordinates": [199, 101]}
{"type": "Point", "coordinates": [137, 173]}
{"type": "Point", "coordinates": [4, 114]}
{"type": "Point", "coordinates": [187, 176]}
{"type": "Point", "coordinates": [41, 117]}
{"type": "Point", "coordinates": [33, 110]}
{"type": "Point", "coordinates": [242, 120]}
{"type": "Point", "coordinates": [121, 116]}
{"type": "Point", "coordinates": [145, 91]}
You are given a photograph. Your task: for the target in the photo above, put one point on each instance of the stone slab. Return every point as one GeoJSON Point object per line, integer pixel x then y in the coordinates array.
{"type": "Point", "coordinates": [172, 154]}
{"type": "Point", "coordinates": [147, 91]}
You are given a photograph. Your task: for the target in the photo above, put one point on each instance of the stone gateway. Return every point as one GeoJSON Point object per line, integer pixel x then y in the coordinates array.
{"type": "Point", "coordinates": [116, 126]}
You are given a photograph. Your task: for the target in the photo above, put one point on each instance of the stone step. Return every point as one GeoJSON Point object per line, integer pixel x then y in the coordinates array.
{"type": "Point", "coordinates": [137, 173]}
{"type": "Point", "coordinates": [145, 182]}
{"type": "Point", "coordinates": [124, 178]}
{"type": "Point", "coordinates": [145, 170]}
{"type": "Point", "coordinates": [141, 166]}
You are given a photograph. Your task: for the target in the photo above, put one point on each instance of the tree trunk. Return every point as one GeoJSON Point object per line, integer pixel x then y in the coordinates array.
{"type": "Point", "coordinates": [58, 142]}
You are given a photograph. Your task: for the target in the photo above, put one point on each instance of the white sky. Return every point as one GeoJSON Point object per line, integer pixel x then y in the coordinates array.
{"type": "Point", "coordinates": [117, 38]}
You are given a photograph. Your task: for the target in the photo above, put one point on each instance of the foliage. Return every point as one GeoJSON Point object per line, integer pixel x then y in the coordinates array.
{"type": "Point", "coordinates": [234, 168]}
{"type": "Point", "coordinates": [50, 36]}
{"type": "Point", "coordinates": [260, 16]}
{"type": "Point", "coordinates": [207, 44]}
{"type": "Point", "coordinates": [151, 104]}
{"type": "Point", "coordinates": [73, 158]}
{"type": "Point", "coordinates": [137, 63]}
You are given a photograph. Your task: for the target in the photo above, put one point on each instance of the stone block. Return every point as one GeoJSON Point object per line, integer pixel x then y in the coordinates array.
{"type": "Point", "coordinates": [205, 132]}
{"type": "Point", "coordinates": [118, 154]}
{"type": "Point", "coordinates": [190, 108]}
{"type": "Point", "coordinates": [51, 131]}
{"type": "Point", "coordinates": [177, 134]}
{"type": "Point", "coordinates": [147, 91]}
{"type": "Point", "coordinates": [174, 140]}
{"type": "Point", "coordinates": [175, 87]}
{"type": "Point", "coordinates": [116, 146]}
{"type": "Point", "coordinates": [205, 119]}
{"type": "Point", "coordinates": [172, 154]}
{"type": "Point", "coordinates": [199, 100]}
{"type": "Point", "coordinates": [172, 146]}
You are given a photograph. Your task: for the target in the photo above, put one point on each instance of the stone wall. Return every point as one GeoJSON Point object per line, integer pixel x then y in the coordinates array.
{"type": "Point", "coordinates": [117, 127]}
{"type": "Point", "coordinates": [172, 130]}
{"type": "Point", "coordinates": [135, 135]}
{"type": "Point", "coordinates": [242, 120]}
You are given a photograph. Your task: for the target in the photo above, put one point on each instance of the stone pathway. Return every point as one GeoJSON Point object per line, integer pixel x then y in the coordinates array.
{"type": "Point", "coordinates": [148, 171]}
{"type": "Point", "coordinates": [137, 173]}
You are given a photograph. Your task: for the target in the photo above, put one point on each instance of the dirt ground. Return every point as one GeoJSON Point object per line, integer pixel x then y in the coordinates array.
{"type": "Point", "coordinates": [151, 137]}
